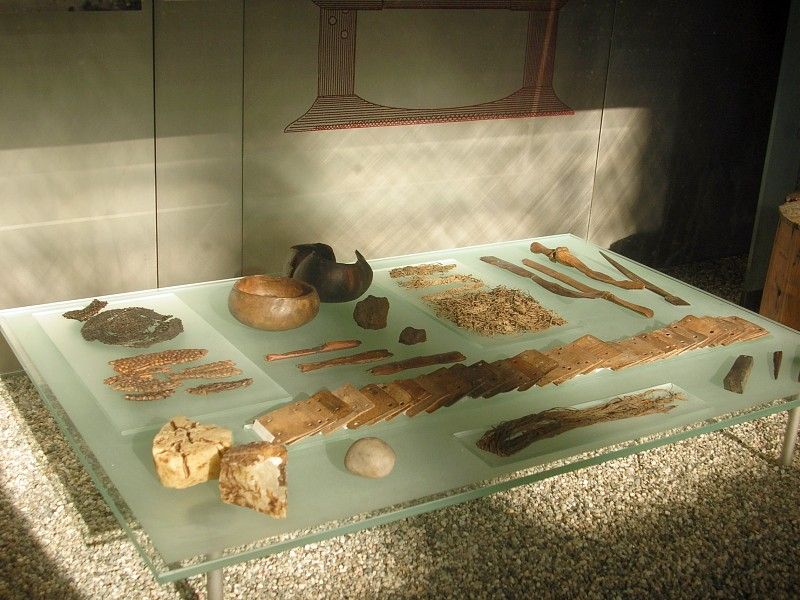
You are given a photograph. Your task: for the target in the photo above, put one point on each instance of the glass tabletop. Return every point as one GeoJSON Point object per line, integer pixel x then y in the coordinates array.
{"type": "Point", "coordinates": [180, 533]}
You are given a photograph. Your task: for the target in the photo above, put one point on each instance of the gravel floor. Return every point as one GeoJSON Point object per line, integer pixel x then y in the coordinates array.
{"type": "Point", "coordinates": [709, 517]}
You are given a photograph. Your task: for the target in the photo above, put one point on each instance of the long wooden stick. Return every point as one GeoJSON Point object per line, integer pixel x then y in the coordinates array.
{"type": "Point", "coordinates": [352, 359]}
{"type": "Point", "coordinates": [548, 285]}
{"type": "Point", "coordinates": [590, 291]}
{"type": "Point", "coordinates": [672, 299]}
{"type": "Point", "coordinates": [563, 256]}
{"type": "Point", "coordinates": [326, 347]}
{"type": "Point", "coordinates": [416, 362]}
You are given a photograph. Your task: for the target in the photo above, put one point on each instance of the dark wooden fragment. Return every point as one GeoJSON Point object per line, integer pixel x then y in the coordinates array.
{"type": "Point", "coordinates": [777, 358]}
{"type": "Point", "coordinates": [352, 359]}
{"type": "Point", "coordinates": [736, 379]}
{"type": "Point", "coordinates": [417, 362]}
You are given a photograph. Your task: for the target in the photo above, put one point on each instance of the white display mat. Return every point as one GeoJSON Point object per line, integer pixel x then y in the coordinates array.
{"type": "Point", "coordinates": [132, 416]}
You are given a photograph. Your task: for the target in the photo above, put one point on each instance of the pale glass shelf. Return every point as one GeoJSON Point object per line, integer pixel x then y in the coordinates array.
{"type": "Point", "coordinates": [175, 530]}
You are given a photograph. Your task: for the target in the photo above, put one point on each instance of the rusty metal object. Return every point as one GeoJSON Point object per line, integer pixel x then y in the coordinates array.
{"type": "Point", "coordinates": [671, 298]}
{"type": "Point", "coordinates": [156, 360]}
{"type": "Point", "coordinates": [85, 313]}
{"type": "Point", "coordinates": [134, 327]}
{"type": "Point", "coordinates": [563, 256]}
{"type": "Point", "coordinates": [353, 359]}
{"type": "Point", "coordinates": [326, 347]}
{"type": "Point", "coordinates": [273, 303]}
{"type": "Point", "coordinates": [316, 265]}
{"type": "Point", "coordinates": [219, 386]}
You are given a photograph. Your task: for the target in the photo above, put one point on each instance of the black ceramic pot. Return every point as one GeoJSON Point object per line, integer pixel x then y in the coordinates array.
{"type": "Point", "coordinates": [316, 265]}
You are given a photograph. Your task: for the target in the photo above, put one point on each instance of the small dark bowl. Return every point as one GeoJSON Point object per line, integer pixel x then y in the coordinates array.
{"type": "Point", "coordinates": [273, 303]}
{"type": "Point", "coordinates": [335, 282]}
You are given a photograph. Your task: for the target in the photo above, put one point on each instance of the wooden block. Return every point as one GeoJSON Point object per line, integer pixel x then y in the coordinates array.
{"type": "Point", "coordinates": [622, 360]}
{"type": "Point", "coordinates": [437, 391]}
{"type": "Point", "coordinates": [503, 379]}
{"type": "Point", "coordinates": [777, 359]}
{"type": "Point", "coordinates": [289, 423]}
{"type": "Point", "coordinates": [685, 339]}
{"type": "Point", "coordinates": [454, 385]}
{"type": "Point", "coordinates": [573, 358]}
{"type": "Point", "coordinates": [383, 402]}
{"type": "Point", "coordinates": [533, 364]}
{"type": "Point", "coordinates": [736, 379]}
{"type": "Point", "coordinates": [418, 393]}
{"type": "Point", "coordinates": [401, 396]}
{"type": "Point", "coordinates": [358, 403]}
{"type": "Point", "coordinates": [707, 326]}
{"type": "Point", "coordinates": [483, 378]}
{"type": "Point", "coordinates": [463, 379]}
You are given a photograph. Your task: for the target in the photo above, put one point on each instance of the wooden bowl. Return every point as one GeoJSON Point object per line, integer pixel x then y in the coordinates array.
{"type": "Point", "coordinates": [273, 303]}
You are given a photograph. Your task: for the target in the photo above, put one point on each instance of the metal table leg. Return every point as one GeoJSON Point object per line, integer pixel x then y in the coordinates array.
{"type": "Point", "coordinates": [215, 581]}
{"type": "Point", "coordinates": [790, 437]}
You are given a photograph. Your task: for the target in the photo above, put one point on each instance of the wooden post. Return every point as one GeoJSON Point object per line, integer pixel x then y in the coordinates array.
{"type": "Point", "coordinates": [781, 298]}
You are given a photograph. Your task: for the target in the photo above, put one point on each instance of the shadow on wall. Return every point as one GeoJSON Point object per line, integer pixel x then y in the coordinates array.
{"type": "Point", "coordinates": [711, 105]}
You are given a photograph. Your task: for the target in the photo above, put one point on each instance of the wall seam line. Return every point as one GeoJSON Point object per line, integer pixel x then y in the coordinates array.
{"type": "Point", "coordinates": [602, 115]}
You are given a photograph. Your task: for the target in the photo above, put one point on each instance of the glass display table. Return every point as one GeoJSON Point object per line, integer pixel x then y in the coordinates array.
{"type": "Point", "coordinates": [180, 533]}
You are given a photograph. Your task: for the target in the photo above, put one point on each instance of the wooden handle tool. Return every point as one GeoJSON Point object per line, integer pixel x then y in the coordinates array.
{"type": "Point", "coordinates": [563, 256]}
{"type": "Point", "coordinates": [548, 285]}
{"type": "Point", "coordinates": [589, 291]}
{"type": "Point", "coordinates": [672, 299]}
{"type": "Point", "coordinates": [326, 347]}
{"type": "Point", "coordinates": [352, 359]}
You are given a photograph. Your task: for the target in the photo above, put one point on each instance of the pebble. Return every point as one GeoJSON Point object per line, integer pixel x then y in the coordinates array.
{"type": "Point", "coordinates": [370, 457]}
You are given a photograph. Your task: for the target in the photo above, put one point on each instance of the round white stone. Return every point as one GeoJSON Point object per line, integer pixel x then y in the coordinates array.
{"type": "Point", "coordinates": [370, 457]}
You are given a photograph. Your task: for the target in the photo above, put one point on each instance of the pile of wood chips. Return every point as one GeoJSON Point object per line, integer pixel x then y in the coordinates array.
{"type": "Point", "coordinates": [497, 311]}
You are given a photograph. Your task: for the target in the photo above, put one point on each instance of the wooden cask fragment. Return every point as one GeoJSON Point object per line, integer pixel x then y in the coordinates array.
{"type": "Point", "coordinates": [781, 298]}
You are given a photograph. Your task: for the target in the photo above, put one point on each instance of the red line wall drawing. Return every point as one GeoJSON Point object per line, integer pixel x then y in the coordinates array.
{"type": "Point", "coordinates": [337, 106]}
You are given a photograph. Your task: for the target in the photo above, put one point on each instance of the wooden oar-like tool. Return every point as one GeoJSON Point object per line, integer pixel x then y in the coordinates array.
{"type": "Point", "coordinates": [563, 256]}
{"type": "Point", "coordinates": [672, 299]}
{"type": "Point", "coordinates": [585, 290]}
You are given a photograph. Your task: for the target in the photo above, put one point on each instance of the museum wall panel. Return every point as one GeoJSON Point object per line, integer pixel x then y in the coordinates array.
{"type": "Point", "coordinates": [76, 156]}
{"type": "Point", "coordinates": [198, 108]}
{"type": "Point", "coordinates": [687, 110]}
{"type": "Point", "coordinates": [413, 187]}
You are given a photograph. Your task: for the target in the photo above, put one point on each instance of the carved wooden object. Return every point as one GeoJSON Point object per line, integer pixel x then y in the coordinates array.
{"type": "Point", "coordinates": [352, 408]}
{"type": "Point", "coordinates": [736, 379]}
{"type": "Point", "coordinates": [326, 347]}
{"type": "Point", "coordinates": [777, 358]}
{"type": "Point", "coordinates": [563, 256]}
{"type": "Point", "coordinates": [353, 359]}
{"type": "Point", "coordinates": [589, 292]}
{"type": "Point", "coordinates": [671, 298]}
{"type": "Point", "coordinates": [416, 362]}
